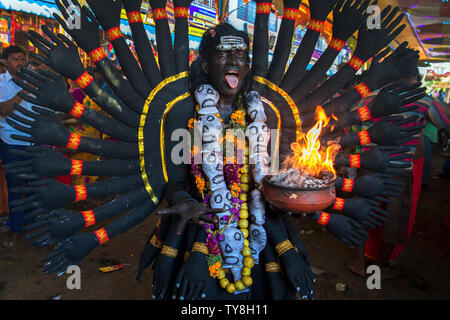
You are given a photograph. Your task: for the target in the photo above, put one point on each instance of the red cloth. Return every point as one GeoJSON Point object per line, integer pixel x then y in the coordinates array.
{"type": "Point", "coordinates": [373, 244]}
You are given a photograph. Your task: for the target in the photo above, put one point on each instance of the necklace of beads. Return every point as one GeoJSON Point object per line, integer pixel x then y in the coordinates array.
{"type": "Point", "coordinates": [237, 178]}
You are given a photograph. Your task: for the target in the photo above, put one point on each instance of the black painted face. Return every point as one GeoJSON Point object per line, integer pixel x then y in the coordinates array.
{"type": "Point", "coordinates": [227, 70]}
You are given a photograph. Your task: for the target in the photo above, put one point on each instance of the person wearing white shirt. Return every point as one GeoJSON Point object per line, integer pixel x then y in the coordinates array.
{"type": "Point", "coordinates": [13, 58]}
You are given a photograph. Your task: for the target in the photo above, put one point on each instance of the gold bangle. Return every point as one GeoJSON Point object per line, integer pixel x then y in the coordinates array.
{"type": "Point", "coordinates": [273, 267]}
{"type": "Point", "coordinates": [284, 246]}
{"type": "Point", "coordinates": [169, 251]}
{"type": "Point", "coordinates": [156, 242]}
{"type": "Point", "coordinates": [200, 247]}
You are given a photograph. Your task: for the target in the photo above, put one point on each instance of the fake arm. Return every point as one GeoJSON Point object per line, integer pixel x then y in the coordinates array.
{"type": "Point", "coordinates": [64, 50]}
{"type": "Point", "coordinates": [62, 223]}
{"type": "Point", "coordinates": [342, 227]}
{"type": "Point", "coordinates": [319, 11]}
{"type": "Point", "coordinates": [46, 129]}
{"type": "Point", "coordinates": [181, 39]}
{"type": "Point", "coordinates": [75, 248]}
{"type": "Point", "coordinates": [108, 14]}
{"type": "Point", "coordinates": [378, 159]}
{"type": "Point", "coordinates": [284, 41]}
{"type": "Point", "coordinates": [163, 38]}
{"type": "Point", "coordinates": [367, 212]}
{"type": "Point", "coordinates": [345, 23]}
{"type": "Point", "coordinates": [141, 42]}
{"type": "Point", "coordinates": [375, 186]}
{"type": "Point", "coordinates": [52, 194]}
{"type": "Point", "coordinates": [369, 43]}
{"type": "Point", "coordinates": [50, 91]}
{"type": "Point", "coordinates": [261, 38]}
{"type": "Point", "coordinates": [87, 37]}
{"type": "Point", "coordinates": [387, 132]}
{"type": "Point", "coordinates": [44, 162]}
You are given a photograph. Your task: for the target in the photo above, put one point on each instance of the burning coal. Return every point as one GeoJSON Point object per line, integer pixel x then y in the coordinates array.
{"type": "Point", "coordinates": [311, 164]}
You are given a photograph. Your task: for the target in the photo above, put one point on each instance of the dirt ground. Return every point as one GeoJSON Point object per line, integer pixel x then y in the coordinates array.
{"type": "Point", "coordinates": [424, 264]}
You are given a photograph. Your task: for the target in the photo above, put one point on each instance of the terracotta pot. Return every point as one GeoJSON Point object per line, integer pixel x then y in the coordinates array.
{"type": "Point", "coordinates": [298, 200]}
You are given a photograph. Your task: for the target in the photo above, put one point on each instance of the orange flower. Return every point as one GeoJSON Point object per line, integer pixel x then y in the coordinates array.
{"type": "Point", "coordinates": [238, 116]}
{"type": "Point", "coordinates": [235, 189]}
{"type": "Point", "coordinates": [191, 123]}
{"type": "Point", "coordinates": [200, 183]}
{"type": "Point", "coordinates": [215, 269]}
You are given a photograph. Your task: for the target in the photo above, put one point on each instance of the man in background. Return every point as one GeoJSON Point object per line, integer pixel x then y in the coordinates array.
{"type": "Point", "coordinates": [14, 58]}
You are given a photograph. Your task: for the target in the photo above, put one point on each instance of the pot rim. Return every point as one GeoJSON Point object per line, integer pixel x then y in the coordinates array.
{"type": "Point", "coordinates": [266, 179]}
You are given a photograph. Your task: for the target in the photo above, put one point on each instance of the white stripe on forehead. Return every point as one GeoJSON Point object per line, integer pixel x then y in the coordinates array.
{"type": "Point", "coordinates": [231, 42]}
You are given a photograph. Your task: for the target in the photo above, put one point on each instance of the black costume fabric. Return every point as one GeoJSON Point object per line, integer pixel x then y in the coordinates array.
{"type": "Point", "coordinates": [155, 100]}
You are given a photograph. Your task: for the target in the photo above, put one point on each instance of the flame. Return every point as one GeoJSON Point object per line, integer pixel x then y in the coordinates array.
{"type": "Point", "coordinates": [308, 154]}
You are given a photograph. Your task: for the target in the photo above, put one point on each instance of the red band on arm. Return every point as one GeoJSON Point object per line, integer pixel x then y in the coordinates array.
{"type": "Point", "coordinates": [134, 17]}
{"type": "Point", "coordinates": [74, 141]}
{"type": "Point", "coordinates": [159, 13]}
{"type": "Point", "coordinates": [338, 204]}
{"type": "Point", "coordinates": [355, 161]}
{"type": "Point", "coordinates": [364, 138]}
{"type": "Point", "coordinates": [89, 218]}
{"type": "Point", "coordinates": [263, 8]}
{"type": "Point", "coordinates": [181, 12]}
{"type": "Point", "coordinates": [76, 168]}
{"type": "Point", "coordinates": [101, 235]}
{"type": "Point", "coordinates": [77, 110]}
{"type": "Point", "coordinates": [324, 218]}
{"type": "Point", "coordinates": [97, 54]}
{"type": "Point", "coordinates": [114, 33]}
{"type": "Point", "coordinates": [348, 185]}
{"type": "Point", "coordinates": [290, 14]}
{"type": "Point", "coordinates": [84, 80]}
{"type": "Point", "coordinates": [336, 44]}
{"type": "Point", "coordinates": [316, 25]}
{"type": "Point", "coordinates": [363, 90]}
{"type": "Point", "coordinates": [356, 63]}
{"type": "Point", "coordinates": [364, 113]}
{"type": "Point", "coordinates": [80, 192]}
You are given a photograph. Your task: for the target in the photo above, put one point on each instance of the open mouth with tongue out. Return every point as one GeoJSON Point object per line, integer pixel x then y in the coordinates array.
{"type": "Point", "coordinates": [232, 78]}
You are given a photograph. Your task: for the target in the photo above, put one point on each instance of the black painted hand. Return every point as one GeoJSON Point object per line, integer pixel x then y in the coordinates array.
{"type": "Point", "coordinates": [107, 12]}
{"type": "Point", "coordinates": [367, 212]}
{"type": "Point", "coordinates": [48, 193]}
{"type": "Point", "coordinates": [62, 55]}
{"type": "Point", "coordinates": [45, 128]}
{"type": "Point", "coordinates": [392, 98]}
{"type": "Point", "coordinates": [189, 210]}
{"type": "Point", "coordinates": [385, 159]}
{"type": "Point", "coordinates": [371, 41]}
{"type": "Point", "coordinates": [49, 90]}
{"type": "Point", "coordinates": [321, 8]}
{"type": "Point", "coordinates": [377, 185]}
{"type": "Point", "coordinates": [390, 130]}
{"type": "Point", "coordinates": [401, 64]}
{"type": "Point", "coordinates": [70, 251]}
{"type": "Point", "coordinates": [42, 162]}
{"type": "Point", "coordinates": [193, 279]}
{"type": "Point", "coordinates": [55, 226]}
{"type": "Point", "coordinates": [345, 229]}
{"type": "Point", "coordinates": [87, 34]}
{"type": "Point", "coordinates": [348, 17]}
{"type": "Point", "coordinates": [296, 268]}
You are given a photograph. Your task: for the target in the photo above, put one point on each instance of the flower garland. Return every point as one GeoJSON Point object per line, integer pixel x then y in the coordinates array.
{"type": "Point", "coordinates": [237, 179]}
